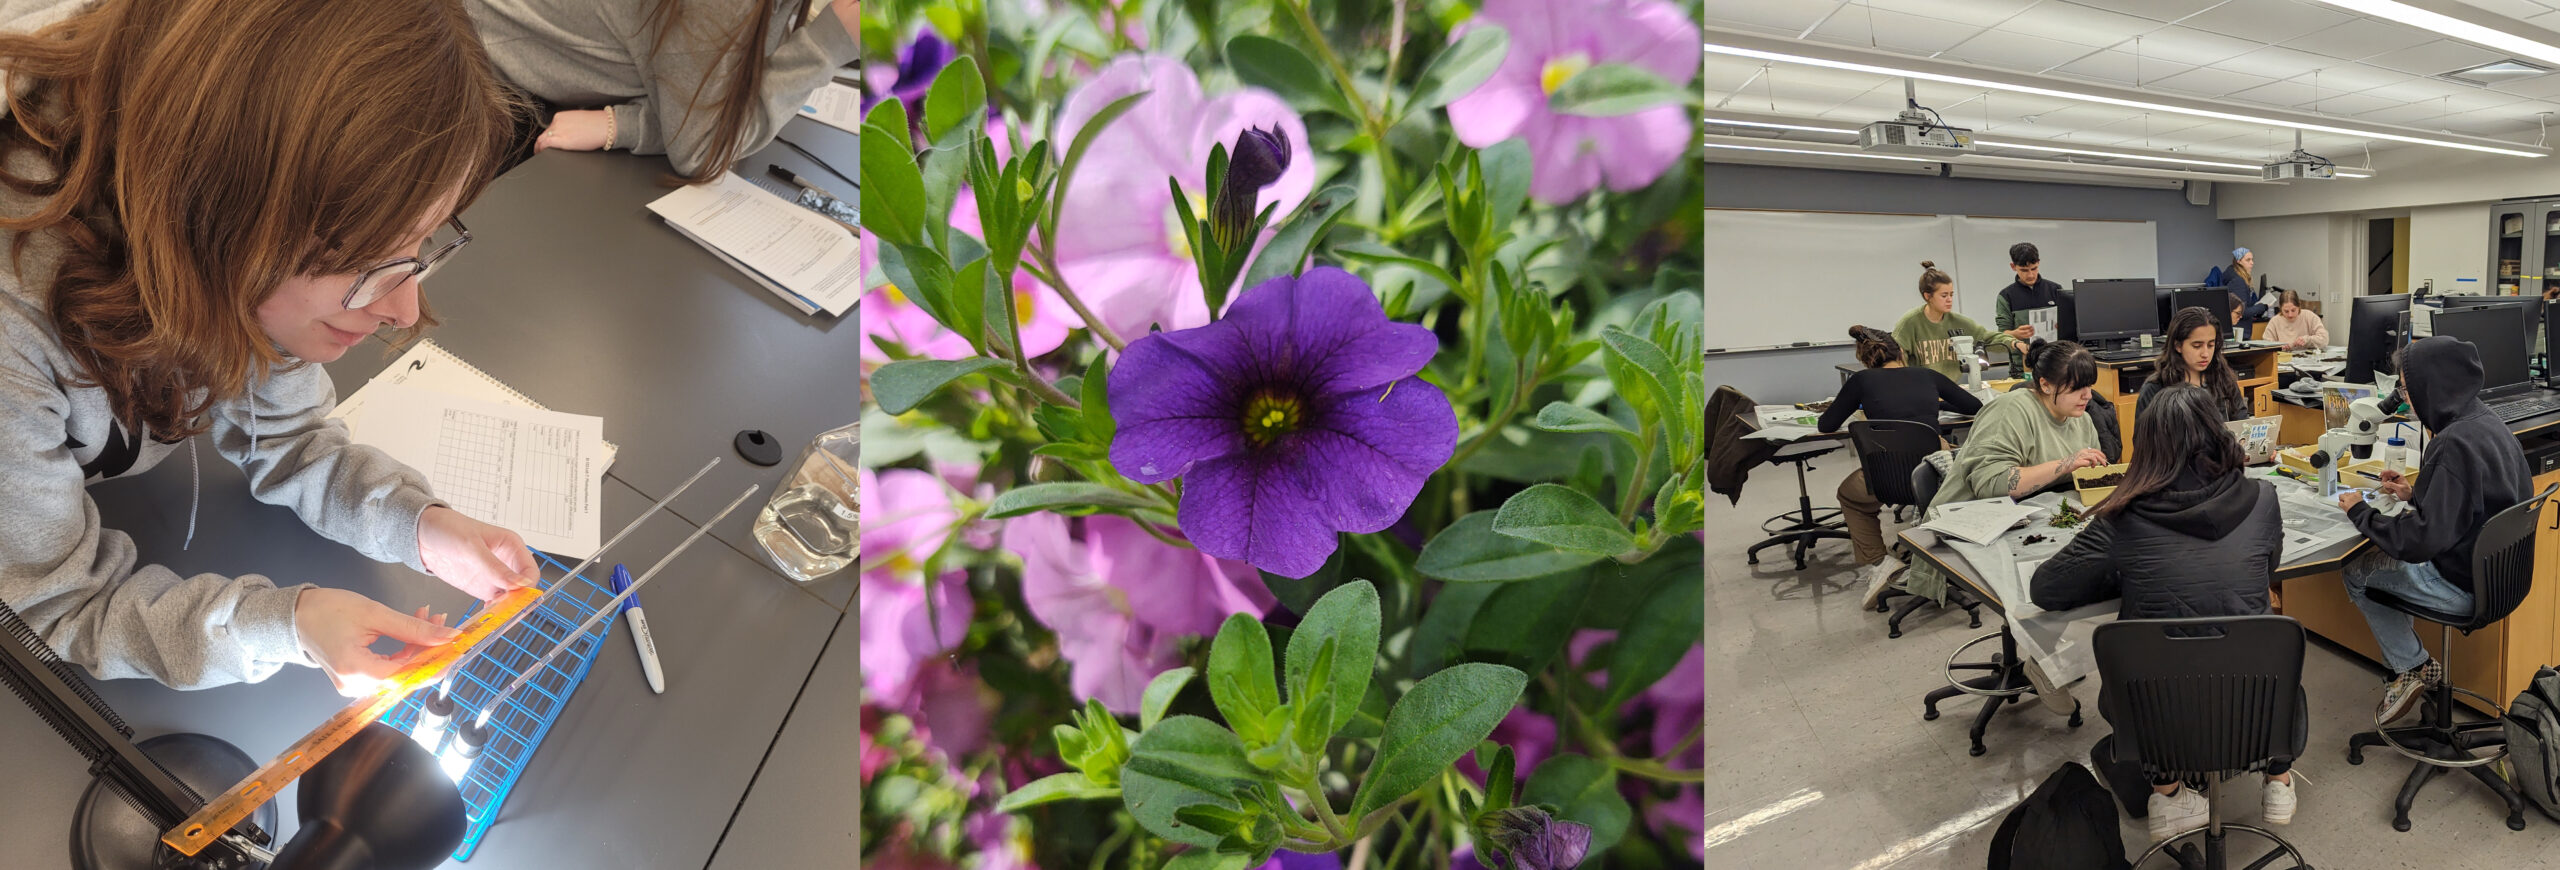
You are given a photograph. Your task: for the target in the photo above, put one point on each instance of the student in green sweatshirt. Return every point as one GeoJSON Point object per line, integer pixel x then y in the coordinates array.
{"type": "Point", "coordinates": [1927, 332]}
{"type": "Point", "coordinates": [2025, 440]}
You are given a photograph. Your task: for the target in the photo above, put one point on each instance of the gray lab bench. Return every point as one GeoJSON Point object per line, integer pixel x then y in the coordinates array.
{"type": "Point", "coordinates": [572, 294]}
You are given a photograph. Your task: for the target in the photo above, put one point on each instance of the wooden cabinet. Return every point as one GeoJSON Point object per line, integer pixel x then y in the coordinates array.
{"type": "Point", "coordinates": [2121, 383]}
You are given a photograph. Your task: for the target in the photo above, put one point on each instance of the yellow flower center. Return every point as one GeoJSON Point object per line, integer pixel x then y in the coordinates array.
{"type": "Point", "coordinates": [895, 297]}
{"type": "Point", "coordinates": [1561, 69]}
{"type": "Point", "coordinates": [1174, 240]}
{"type": "Point", "coordinates": [1269, 416]}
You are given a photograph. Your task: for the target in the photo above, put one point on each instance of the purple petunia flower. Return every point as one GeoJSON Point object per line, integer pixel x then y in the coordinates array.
{"type": "Point", "coordinates": [1296, 417]}
{"type": "Point", "coordinates": [1551, 40]}
{"type": "Point", "coordinates": [917, 65]}
{"type": "Point", "coordinates": [1532, 840]}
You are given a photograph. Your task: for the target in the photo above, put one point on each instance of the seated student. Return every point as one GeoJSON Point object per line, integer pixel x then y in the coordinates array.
{"type": "Point", "coordinates": [1887, 390]}
{"type": "Point", "coordinates": [2030, 292]}
{"type": "Point", "coordinates": [2187, 534]}
{"type": "Point", "coordinates": [1927, 333]}
{"type": "Point", "coordinates": [2294, 328]}
{"type": "Point", "coordinates": [2474, 469]}
{"type": "Point", "coordinates": [2027, 439]}
{"type": "Point", "coordinates": [2193, 356]}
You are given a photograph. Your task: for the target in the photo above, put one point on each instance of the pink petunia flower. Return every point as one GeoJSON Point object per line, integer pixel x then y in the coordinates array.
{"type": "Point", "coordinates": [906, 515]}
{"type": "Point", "coordinates": [1119, 599]}
{"type": "Point", "coordinates": [1120, 244]}
{"type": "Point", "coordinates": [1551, 40]}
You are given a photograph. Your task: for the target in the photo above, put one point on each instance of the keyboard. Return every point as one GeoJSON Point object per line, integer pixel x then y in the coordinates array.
{"type": "Point", "coordinates": [2533, 404]}
{"type": "Point", "coordinates": [2125, 355]}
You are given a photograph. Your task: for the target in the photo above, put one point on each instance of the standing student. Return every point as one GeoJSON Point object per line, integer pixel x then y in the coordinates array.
{"type": "Point", "coordinates": [2018, 301]}
{"type": "Point", "coordinates": [1927, 332]}
{"type": "Point", "coordinates": [704, 82]}
{"type": "Point", "coordinates": [2246, 307]}
{"type": "Point", "coordinates": [2026, 439]}
{"type": "Point", "coordinates": [1888, 389]}
{"type": "Point", "coordinates": [2186, 534]}
{"type": "Point", "coordinates": [2474, 469]}
{"type": "Point", "coordinates": [2294, 328]}
{"type": "Point", "coordinates": [203, 201]}
{"type": "Point", "coordinates": [2193, 356]}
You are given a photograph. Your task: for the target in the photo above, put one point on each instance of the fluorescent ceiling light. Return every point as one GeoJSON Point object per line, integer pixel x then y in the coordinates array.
{"type": "Point", "coordinates": [2467, 31]}
{"type": "Point", "coordinates": [2345, 174]}
{"type": "Point", "coordinates": [1820, 153]}
{"type": "Point", "coordinates": [1772, 125]}
{"type": "Point", "coordinates": [2161, 159]}
{"type": "Point", "coordinates": [1816, 149]}
{"type": "Point", "coordinates": [2084, 96]}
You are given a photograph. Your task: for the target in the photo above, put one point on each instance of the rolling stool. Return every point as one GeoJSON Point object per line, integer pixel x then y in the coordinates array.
{"type": "Point", "coordinates": [2206, 698]}
{"type": "Point", "coordinates": [1797, 530]}
{"type": "Point", "coordinates": [2006, 684]}
{"type": "Point", "coordinates": [1924, 488]}
{"type": "Point", "coordinates": [2501, 576]}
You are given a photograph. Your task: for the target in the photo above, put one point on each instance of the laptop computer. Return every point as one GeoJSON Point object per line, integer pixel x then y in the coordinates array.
{"type": "Point", "coordinates": [2257, 436]}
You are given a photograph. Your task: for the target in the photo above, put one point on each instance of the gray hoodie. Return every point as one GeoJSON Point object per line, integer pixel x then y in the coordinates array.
{"type": "Point", "coordinates": [586, 54]}
{"type": "Point", "coordinates": [80, 584]}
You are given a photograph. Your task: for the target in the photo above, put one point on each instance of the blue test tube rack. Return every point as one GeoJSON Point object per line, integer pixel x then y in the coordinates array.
{"type": "Point", "coordinates": [517, 730]}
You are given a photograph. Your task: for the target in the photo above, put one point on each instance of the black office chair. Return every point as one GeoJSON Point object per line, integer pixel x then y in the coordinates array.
{"type": "Point", "coordinates": [2501, 576]}
{"type": "Point", "coordinates": [1797, 530]}
{"type": "Point", "coordinates": [1924, 488]}
{"type": "Point", "coordinates": [2205, 699]}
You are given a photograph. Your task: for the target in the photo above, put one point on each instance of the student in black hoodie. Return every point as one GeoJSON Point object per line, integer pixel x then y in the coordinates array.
{"type": "Point", "coordinates": [2186, 534]}
{"type": "Point", "coordinates": [2030, 292]}
{"type": "Point", "coordinates": [2473, 470]}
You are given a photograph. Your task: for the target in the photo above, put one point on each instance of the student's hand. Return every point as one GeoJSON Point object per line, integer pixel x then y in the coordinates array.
{"type": "Point", "coordinates": [475, 557]}
{"type": "Point", "coordinates": [2349, 499]}
{"type": "Point", "coordinates": [849, 12]}
{"type": "Point", "coordinates": [2088, 457]}
{"type": "Point", "coordinates": [2023, 333]}
{"type": "Point", "coordinates": [337, 629]}
{"type": "Point", "coordinates": [2393, 485]}
{"type": "Point", "coordinates": [577, 130]}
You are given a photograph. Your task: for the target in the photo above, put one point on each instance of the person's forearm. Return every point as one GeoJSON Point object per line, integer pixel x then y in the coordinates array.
{"type": "Point", "coordinates": [2029, 478]}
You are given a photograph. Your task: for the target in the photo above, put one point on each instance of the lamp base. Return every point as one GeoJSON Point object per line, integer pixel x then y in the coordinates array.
{"type": "Point", "coordinates": [108, 833]}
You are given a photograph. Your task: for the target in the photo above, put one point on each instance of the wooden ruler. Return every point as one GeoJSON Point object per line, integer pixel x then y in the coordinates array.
{"type": "Point", "coordinates": [216, 818]}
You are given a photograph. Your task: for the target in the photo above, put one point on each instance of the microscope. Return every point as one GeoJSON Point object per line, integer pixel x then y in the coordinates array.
{"type": "Point", "coordinates": [1963, 345]}
{"type": "Point", "coordinates": [2352, 442]}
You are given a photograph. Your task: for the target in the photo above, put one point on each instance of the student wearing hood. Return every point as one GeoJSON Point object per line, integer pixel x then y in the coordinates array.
{"type": "Point", "coordinates": [2474, 469]}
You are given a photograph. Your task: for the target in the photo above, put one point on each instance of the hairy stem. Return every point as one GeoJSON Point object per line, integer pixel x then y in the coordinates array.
{"type": "Point", "coordinates": [1057, 280]}
{"type": "Point", "coordinates": [1634, 483]}
{"type": "Point", "coordinates": [1493, 426]}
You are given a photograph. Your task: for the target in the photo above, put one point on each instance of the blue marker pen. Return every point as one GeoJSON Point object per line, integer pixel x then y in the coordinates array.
{"type": "Point", "coordinates": [640, 631]}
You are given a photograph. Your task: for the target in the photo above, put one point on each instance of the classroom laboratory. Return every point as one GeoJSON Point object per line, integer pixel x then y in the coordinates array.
{"type": "Point", "coordinates": [2134, 433]}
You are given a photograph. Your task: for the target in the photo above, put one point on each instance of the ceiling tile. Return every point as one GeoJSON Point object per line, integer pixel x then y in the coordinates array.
{"type": "Point", "coordinates": [2435, 58]}
{"type": "Point", "coordinates": [2267, 20]}
{"type": "Point", "coordinates": [2361, 38]}
{"type": "Point", "coordinates": [2538, 87]}
{"type": "Point", "coordinates": [2516, 9]}
{"type": "Point", "coordinates": [2422, 115]}
{"type": "Point", "coordinates": [2191, 46]}
{"type": "Point", "coordinates": [2116, 66]}
{"type": "Point", "coordinates": [2351, 77]}
{"type": "Point", "coordinates": [1980, 13]}
{"type": "Point", "coordinates": [2415, 90]}
{"type": "Point", "coordinates": [2156, 10]}
{"type": "Point", "coordinates": [1913, 34]}
{"type": "Point", "coordinates": [2210, 82]}
{"type": "Point", "coordinates": [2475, 100]}
{"type": "Point", "coordinates": [2491, 124]}
{"type": "Point", "coordinates": [2345, 104]}
{"type": "Point", "coordinates": [2017, 51]}
{"type": "Point", "coordinates": [2076, 24]}
{"type": "Point", "coordinates": [2285, 93]}
{"type": "Point", "coordinates": [1792, 16]}
{"type": "Point", "coordinates": [2272, 62]}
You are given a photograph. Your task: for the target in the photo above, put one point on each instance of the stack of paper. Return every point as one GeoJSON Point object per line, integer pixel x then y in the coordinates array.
{"type": "Point", "coordinates": [803, 257]}
{"type": "Point", "coordinates": [1981, 521]}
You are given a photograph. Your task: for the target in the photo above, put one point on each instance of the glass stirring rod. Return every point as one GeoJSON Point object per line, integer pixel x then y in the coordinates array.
{"type": "Point", "coordinates": [599, 553]}
{"type": "Point", "coordinates": [608, 610]}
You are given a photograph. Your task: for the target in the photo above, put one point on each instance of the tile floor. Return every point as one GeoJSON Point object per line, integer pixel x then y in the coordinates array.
{"type": "Point", "coordinates": [1817, 756]}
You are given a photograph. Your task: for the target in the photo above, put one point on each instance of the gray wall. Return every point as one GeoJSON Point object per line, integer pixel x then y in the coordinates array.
{"type": "Point", "coordinates": [2192, 241]}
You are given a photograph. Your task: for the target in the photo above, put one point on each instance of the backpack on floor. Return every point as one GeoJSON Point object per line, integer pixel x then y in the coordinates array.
{"type": "Point", "coordinates": [2533, 740]}
{"type": "Point", "coordinates": [2069, 823]}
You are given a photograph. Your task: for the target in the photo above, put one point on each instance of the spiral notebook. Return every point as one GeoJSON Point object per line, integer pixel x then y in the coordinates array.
{"type": "Point", "coordinates": [431, 367]}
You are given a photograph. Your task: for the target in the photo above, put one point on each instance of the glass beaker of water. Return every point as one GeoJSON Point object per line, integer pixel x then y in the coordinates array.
{"type": "Point", "coordinates": [811, 527]}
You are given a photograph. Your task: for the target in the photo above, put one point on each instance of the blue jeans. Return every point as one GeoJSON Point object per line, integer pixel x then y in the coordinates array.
{"type": "Point", "coordinates": [2418, 583]}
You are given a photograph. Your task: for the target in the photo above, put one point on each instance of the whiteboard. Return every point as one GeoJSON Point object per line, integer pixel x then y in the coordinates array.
{"type": "Point", "coordinates": [1781, 277]}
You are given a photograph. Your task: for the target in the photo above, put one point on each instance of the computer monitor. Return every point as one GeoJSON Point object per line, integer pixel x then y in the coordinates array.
{"type": "Point", "coordinates": [2114, 309]}
{"type": "Point", "coordinates": [2373, 332]}
{"type": "Point", "coordinates": [2504, 354]}
{"type": "Point", "coordinates": [2527, 310]}
{"type": "Point", "coordinates": [2212, 299]}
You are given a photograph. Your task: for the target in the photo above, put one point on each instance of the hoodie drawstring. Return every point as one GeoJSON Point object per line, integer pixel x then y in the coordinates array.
{"type": "Point", "coordinates": [195, 486]}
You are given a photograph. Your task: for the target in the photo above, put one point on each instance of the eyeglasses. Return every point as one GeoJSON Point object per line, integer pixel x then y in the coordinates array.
{"type": "Point", "coordinates": [378, 281]}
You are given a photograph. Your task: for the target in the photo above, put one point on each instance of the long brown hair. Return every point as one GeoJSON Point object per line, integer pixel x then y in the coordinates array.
{"type": "Point", "coordinates": [2177, 428]}
{"type": "Point", "coordinates": [268, 139]}
{"type": "Point", "coordinates": [742, 52]}
{"type": "Point", "coordinates": [2170, 369]}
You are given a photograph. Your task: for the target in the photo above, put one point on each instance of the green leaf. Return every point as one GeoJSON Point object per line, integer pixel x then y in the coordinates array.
{"type": "Point", "coordinates": [1674, 621]}
{"type": "Point", "coordinates": [1618, 592]}
{"type": "Point", "coordinates": [920, 272]}
{"type": "Point", "coordinates": [900, 386]}
{"type": "Point", "coordinates": [1458, 69]}
{"type": "Point", "coordinates": [1160, 694]}
{"type": "Point", "coordinates": [1633, 358]}
{"type": "Point", "coordinates": [1288, 248]}
{"type": "Point", "coordinates": [1470, 551]}
{"type": "Point", "coordinates": [1098, 424]}
{"type": "Point", "coordinates": [1499, 780]}
{"type": "Point", "coordinates": [1443, 632]}
{"type": "Point", "coordinates": [1209, 859]}
{"type": "Point", "coordinates": [1377, 253]}
{"type": "Point", "coordinates": [1507, 170]}
{"type": "Point", "coordinates": [1612, 89]}
{"type": "Point", "coordinates": [1068, 786]}
{"type": "Point", "coordinates": [894, 205]}
{"type": "Point", "coordinates": [1582, 789]}
{"type": "Point", "coordinates": [1524, 625]}
{"type": "Point", "coordinates": [1348, 616]}
{"type": "Point", "coordinates": [1569, 417]}
{"type": "Point", "coordinates": [1435, 724]}
{"type": "Point", "coordinates": [958, 96]}
{"type": "Point", "coordinates": [1074, 451]}
{"type": "Point", "coordinates": [1086, 134]}
{"type": "Point", "coordinates": [1241, 679]}
{"type": "Point", "coordinates": [1067, 498]}
{"type": "Point", "coordinates": [1280, 67]}
{"type": "Point", "coordinates": [1185, 761]}
{"type": "Point", "coordinates": [1561, 516]}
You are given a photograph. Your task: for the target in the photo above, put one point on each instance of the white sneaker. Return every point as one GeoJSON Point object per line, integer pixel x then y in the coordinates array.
{"type": "Point", "coordinates": [2275, 805]}
{"type": "Point", "coordinates": [2056, 698]}
{"type": "Point", "coordinates": [1879, 578]}
{"type": "Point", "coordinates": [2174, 814]}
